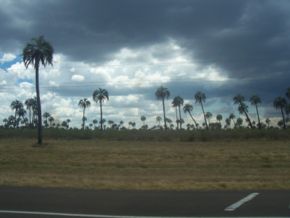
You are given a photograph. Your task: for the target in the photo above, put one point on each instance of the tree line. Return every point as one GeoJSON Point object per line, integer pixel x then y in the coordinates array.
{"type": "Point", "coordinates": [25, 115]}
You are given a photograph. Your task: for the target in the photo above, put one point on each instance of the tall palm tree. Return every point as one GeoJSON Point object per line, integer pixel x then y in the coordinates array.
{"type": "Point", "coordinates": [100, 95]}
{"type": "Point", "coordinates": [163, 93]}
{"type": "Point", "coordinates": [188, 108]}
{"type": "Point", "coordinates": [177, 103]}
{"type": "Point", "coordinates": [256, 100]}
{"type": "Point", "coordinates": [38, 52]}
{"type": "Point", "coordinates": [280, 103]}
{"type": "Point", "coordinates": [84, 103]}
{"type": "Point", "coordinates": [243, 108]}
{"type": "Point", "coordinates": [200, 98]}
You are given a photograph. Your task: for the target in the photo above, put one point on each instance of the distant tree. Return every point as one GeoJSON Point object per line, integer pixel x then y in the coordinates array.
{"type": "Point", "coordinates": [50, 119]}
{"type": "Point", "coordinates": [268, 121]}
{"type": "Point", "coordinates": [30, 104]}
{"type": "Point", "coordinates": [219, 118]}
{"type": "Point", "coordinates": [100, 95]}
{"type": "Point", "coordinates": [46, 116]}
{"type": "Point", "coordinates": [163, 93]}
{"type": "Point", "coordinates": [17, 106]}
{"type": "Point", "coordinates": [243, 108]}
{"type": "Point", "coordinates": [38, 51]}
{"type": "Point", "coordinates": [64, 124]}
{"type": "Point", "coordinates": [95, 123]}
{"type": "Point", "coordinates": [143, 119]}
{"type": "Point", "coordinates": [200, 98]}
{"type": "Point", "coordinates": [84, 103]}
{"type": "Point", "coordinates": [232, 118]}
{"type": "Point", "coordinates": [188, 108]}
{"type": "Point", "coordinates": [228, 122]}
{"type": "Point", "coordinates": [208, 116]}
{"type": "Point", "coordinates": [239, 122]}
{"type": "Point", "coordinates": [281, 103]}
{"type": "Point", "coordinates": [177, 103]}
{"type": "Point", "coordinates": [68, 122]}
{"type": "Point", "coordinates": [256, 100]}
{"type": "Point", "coordinates": [110, 122]}
{"type": "Point", "coordinates": [158, 119]}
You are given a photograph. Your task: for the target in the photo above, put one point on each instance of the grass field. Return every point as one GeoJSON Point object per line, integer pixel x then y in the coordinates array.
{"type": "Point", "coordinates": [166, 165]}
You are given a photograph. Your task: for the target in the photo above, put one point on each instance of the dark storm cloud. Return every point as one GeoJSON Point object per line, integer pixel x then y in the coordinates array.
{"type": "Point", "coordinates": [248, 39]}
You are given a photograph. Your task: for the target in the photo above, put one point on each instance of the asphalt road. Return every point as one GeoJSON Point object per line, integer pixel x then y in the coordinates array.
{"type": "Point", "coordinates": [37, 202]}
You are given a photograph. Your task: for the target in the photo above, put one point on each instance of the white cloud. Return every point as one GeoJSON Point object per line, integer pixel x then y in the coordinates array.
{"type": "Point", "coordinates": [7, 57]}
{"type": "Point", "coordinates": [77, 78]}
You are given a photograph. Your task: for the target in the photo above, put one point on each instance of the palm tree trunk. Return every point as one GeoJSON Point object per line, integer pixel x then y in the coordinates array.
{"type": "Point", "coordinates": [176, 117]}
{"type": "Point", "coordinates": [259, 122]}
{"type": "Point", "coordinates": [84, 118]}
{"type": "Point", "coordinates": [195, 123]}
{"type": "Point", "coordinates": [39, 123]}
{"type": "Point", "coordinates": [248, 119]}
{"type": "Point", "coordinates": [283, 116]}
{"type": "Point", "coordinates": [164, 117]}
{"type": "Point", "coordinates": [204, 115]}
{"type": "Point", "coordinates": [101, 110]}
{"type": "Point", "coordinates": [180, 123]}
{"type": "Point", "coordinates": [30, 119]}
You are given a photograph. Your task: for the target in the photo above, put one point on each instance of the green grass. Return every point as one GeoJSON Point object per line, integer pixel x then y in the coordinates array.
{"type": "Point", "coordinates": [162, 165]}
{"type": "Point", "coordinates": [151, 135]}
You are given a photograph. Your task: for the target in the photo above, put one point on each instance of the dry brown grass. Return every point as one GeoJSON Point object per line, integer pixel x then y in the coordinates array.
{"type": "Point", "coordinates": [251, 164]}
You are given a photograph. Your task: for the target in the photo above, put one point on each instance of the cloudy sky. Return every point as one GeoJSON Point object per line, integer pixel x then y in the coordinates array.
{"type": "Point", "coordinates": [131, 47]}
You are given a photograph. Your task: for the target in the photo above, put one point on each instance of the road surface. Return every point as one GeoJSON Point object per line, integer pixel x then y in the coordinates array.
{"type": "Point", "coordinates": [55, 203]}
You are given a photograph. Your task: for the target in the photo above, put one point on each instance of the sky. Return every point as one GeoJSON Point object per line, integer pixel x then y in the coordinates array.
{"type": "Point", "coordinates": [130, 48]}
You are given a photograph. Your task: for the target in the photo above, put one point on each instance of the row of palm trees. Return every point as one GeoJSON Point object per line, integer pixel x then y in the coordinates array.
{"type": "Point", "coordinates": [162, 93]}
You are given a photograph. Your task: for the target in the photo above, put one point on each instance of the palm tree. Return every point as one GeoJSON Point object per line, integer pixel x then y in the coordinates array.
{"type": "Point", "coordinates": [232, 117]}
{"type": "Point", "coordinates": [29, 106]}
{"type": "Point", "coordinates": [208, 116]}
{"type": "Point", "coordinates": [200, 98]}
{"type": "Point", "coordinates": [280, 103]}
{"type": "Point", "coordinates": [187, 108]}
{"type": "Point", "coordinates": [158, 119]}
{"type": "Point", "coordinates": [268, 121]}
{"type": "Point", "coordinates": [256, 100]}
{"type": "Point", "coordinates": [143, 119]}
{"type": "Point", "coordinates": [100, 95]}
{"type": "Point", "coordinates": [243, 108]}
{"type": "Point", "coordinates": [46, 116]}
{"type": "Point", "coordinates": [84, 103]}
{"type": "Point", "coordinates": [239, 122]}
{"type": "Point", "coordinates": [95, 121]}
{"type": "Point", "coordinates": [177, 103]}
{"type": "Point", "coordinates": [228, 122]}
{"type": "Point", "coordinates": [50, 119]}
{"type": "Point", "coordinates": [162, 93]}
{"type": "Point", "coordinates": [38, 51]}
{"type": "Point", "coordinates": [17, 106]}
{"type": "Point", "coordinates": [219, 118]}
